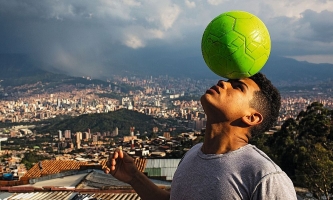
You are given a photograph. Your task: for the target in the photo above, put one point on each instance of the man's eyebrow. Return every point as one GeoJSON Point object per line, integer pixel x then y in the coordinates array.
{"type": "Point", "coordinates": [239, 81]}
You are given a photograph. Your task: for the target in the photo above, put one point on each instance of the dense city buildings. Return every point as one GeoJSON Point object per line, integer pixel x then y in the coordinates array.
{"type": "Point", "coordinates": [161, 97]}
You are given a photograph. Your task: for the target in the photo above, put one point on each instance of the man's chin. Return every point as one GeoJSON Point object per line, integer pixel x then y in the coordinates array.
{"type": "Point", "coordinates": [205, 100]}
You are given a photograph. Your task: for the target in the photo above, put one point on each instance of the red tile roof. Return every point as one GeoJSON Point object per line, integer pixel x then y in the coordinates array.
{"type": "Point", "coordinates": [48, 167]}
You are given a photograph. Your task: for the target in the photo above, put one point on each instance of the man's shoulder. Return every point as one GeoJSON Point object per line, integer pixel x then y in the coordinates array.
{"type": "Point", "coordinates": [192, 151]}
{"type": "Point", "coordinates": [261, 160]}
{"type": "Point", "coordinates": [275, 185]}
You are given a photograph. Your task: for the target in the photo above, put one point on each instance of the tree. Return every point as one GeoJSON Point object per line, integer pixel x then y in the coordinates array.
{"type": "Point", "coordinates": [31, 158]}
{"type": "Point", "coordinates": [283, 144]}
{"type": "Point", "coordinates": [280, 146]}
{"type": "Point", "coordinates": [303, 148]}
{"type": "Point", "coordinates": [314, 150]}
{"type": "Point", "coordinates": [153, 135]}
{"type": "Point", "coordinates": [314, 168]}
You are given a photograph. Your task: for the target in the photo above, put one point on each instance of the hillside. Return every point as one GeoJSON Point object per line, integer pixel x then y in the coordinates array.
{"type": "Point", "coordinates": [19, 69]}
{"type": "Point", "coordinates": [103, 122]}
{"type": "Point", "coordinates": [279, 69]}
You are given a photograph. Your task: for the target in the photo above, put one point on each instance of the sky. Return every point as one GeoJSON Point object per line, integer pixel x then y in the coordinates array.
{"type": "Point", "coordinates": [85, 37]}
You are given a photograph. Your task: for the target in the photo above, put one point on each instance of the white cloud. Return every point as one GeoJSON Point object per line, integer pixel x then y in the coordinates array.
{"type": "Point", "coordinates": [132, 2]}
{"type": "Point", "coordinates": [134, 42]}
{"type": "Point", "coordinates": [190, 4]}
{"type": "Point", "coordinates": [215, 2]}
{"type": "Point", "coordinates": [150, 19]}
{"type": "Point", "coordinates": [169, 15]}
{"type": "Point", "coordinates": [294, 8]}
{"type": "Point", "coordinates": [137, 37]}
{"type": "Point", "coordinates": [155, 33]}
{"type": "Point", "coordinates": [113, 9]}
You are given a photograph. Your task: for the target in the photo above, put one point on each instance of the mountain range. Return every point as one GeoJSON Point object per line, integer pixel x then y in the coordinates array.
{"type": "Point", "coordinates": [18, 68]}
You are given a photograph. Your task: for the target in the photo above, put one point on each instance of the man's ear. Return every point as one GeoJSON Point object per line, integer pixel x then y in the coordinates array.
{"type": "Point", "coordinates": [253, 119]}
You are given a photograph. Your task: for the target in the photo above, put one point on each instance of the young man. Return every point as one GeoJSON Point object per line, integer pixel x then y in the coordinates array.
{"type": "Point", "coordinates": [225, 165]}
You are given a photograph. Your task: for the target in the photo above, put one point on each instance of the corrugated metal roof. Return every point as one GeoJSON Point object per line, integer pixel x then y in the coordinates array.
{"type": "Point", "coordinates": [153, 171]}
{"type": "Point", "coordinates": [162, 167]}
{"type": "Point", "coordinates": [162, 163]}
{"type": "Point", "coordinates": [106, 196]}
{"type": "Point", "coordinates": [40, 196]}
{"type": "Point", "coordinates": [98, 179]}
{"type": "Point", "coordinates": [4, 195]}
{"type": "Point", "coordinates": [168, 172]}
{"type": "Point", "coordinates": [68, 195]}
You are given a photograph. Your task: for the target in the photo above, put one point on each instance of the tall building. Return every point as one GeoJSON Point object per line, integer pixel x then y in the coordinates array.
{"type": "Point", "coordinates": [58, 102]}
{"type": "Point", "coordinates": [166, 135]}
{"type": "Point", "coordinates": [68, 134]}
{"type": "Point", "coordinates": [95, 138]}
{"type": "Point", "coordinates": [115, 132]}
{"type": "Point", "coordinates": [132, 131]}
{"type": "Point", "coordinates": [191, 124]}
{"type": "Point", "coordinates": [199, 124]}
{"type": "Point", "coordinates": [60, 134]}
{"type": "Point", "coordinates": [132, 135]}
{"type": "Point", "coordinates": [87, 136]}
{"type": "Point", "coordinates": [78, 139]}
{"type": "Point", "coordinates": [189, 116]}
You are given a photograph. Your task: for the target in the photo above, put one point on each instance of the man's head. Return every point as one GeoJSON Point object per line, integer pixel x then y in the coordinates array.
{"type": "Point", "coordinates": [267, 101]}
{"type": "Point", "coordinates": [251, 103]}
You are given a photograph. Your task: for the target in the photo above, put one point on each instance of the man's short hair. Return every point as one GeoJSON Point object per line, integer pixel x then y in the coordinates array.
{"type": "Point", "coordinates": [267, 101]}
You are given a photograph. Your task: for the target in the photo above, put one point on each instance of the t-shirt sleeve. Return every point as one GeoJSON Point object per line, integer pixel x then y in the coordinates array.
{"type": "Point", "coordinates": [275, 186]}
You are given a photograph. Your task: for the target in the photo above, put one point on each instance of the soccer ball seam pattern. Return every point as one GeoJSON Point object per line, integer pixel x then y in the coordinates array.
{"type": "Point", "coordinates": [236, 45]}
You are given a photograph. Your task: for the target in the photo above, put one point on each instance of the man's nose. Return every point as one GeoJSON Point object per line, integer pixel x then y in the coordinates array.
{"type": "Point", "coordinates": [222, 84]}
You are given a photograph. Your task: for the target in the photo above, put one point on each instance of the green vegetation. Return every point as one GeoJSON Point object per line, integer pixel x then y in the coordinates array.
{"type": "Point", "coordinates": [109, 95]}
{"type": "Point", "coordinates": [303, 148]}
{"type": "Point", "coordinates": [38, 123]}
{"type": "Point", "coordinates": [31, 158]}
{"type": "Point", "coordinates": [123, 119]}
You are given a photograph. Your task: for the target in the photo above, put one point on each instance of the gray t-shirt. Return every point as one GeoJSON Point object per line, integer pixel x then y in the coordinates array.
{"type": "Point", "coordinates": [246, 173]}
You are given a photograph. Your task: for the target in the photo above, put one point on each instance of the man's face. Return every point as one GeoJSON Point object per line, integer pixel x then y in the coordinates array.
{"type": "Point", "coordinates": [229, 100]}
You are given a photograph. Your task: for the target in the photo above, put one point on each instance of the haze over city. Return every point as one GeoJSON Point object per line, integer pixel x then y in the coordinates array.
{"type": "Point", "coordinates": [97, 38]}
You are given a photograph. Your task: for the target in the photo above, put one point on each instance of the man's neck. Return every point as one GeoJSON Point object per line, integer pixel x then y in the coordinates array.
{"type": "Point", "coordinates": [220, 139]}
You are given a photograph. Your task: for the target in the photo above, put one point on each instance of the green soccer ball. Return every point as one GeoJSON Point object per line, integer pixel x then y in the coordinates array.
{"type": "Point", "coordinates": [236, 45]}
